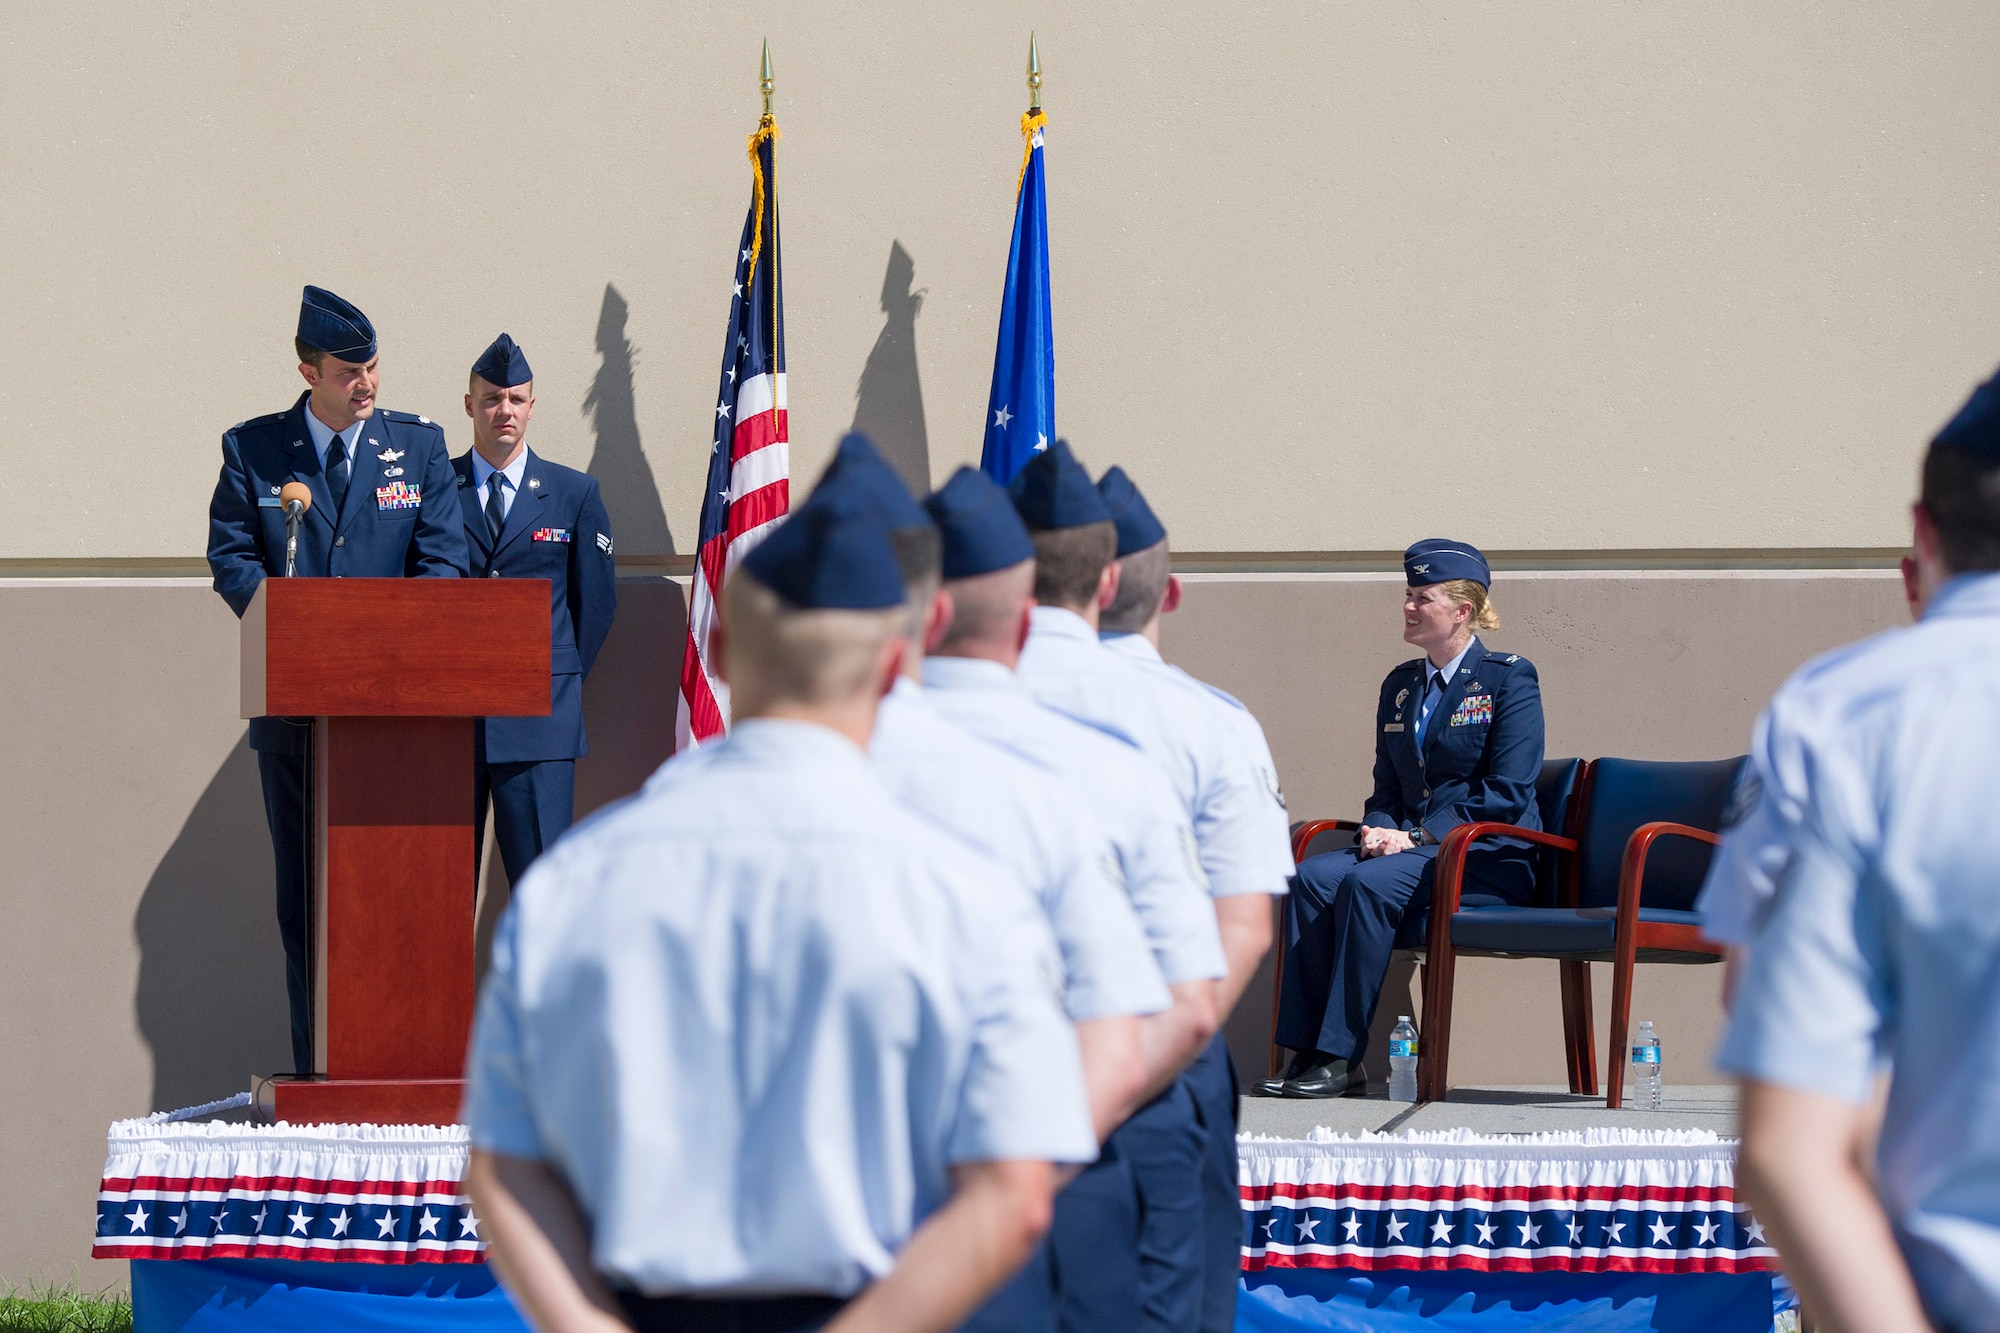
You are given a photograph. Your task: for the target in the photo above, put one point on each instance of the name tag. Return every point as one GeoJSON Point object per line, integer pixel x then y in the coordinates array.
{"type": "Point", "coordinates": [1473, 710]}
{"type": "Point", "coordinates": [551, 534]}
{"type": "Point", "coordinates": [399, 495]}
{"type": "Point", "coordinates": [1392, 726]}
{"type": "Point", "coordinates": [269, 502]}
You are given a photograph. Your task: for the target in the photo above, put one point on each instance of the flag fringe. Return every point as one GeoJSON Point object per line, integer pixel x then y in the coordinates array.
{"type": "Point", "coordinates": [1030, 122]}
{"type": "Point", "coordinates": [767, 130]}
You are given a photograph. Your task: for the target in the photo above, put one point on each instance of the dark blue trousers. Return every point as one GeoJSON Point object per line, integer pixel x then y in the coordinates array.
{"type": "Point", "coordinates": [284, 779]}
{"type": "Point", "coordinates": [1167, 1148]}
{"type": "Point", "coordinates": [1126, 1246]}
{"type": "Point", "coordinates": [1343, 920]}
{"type": "Point", "coordinates": [533, 805]}
{"type": "Point", "coordinates": [1212, 1079]}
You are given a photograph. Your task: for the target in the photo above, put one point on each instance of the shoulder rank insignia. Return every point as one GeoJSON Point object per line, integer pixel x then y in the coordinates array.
{"type": "Point", "coordinates": [604, 542]}
{"type": "Point", "coordinates": [1513, 657]}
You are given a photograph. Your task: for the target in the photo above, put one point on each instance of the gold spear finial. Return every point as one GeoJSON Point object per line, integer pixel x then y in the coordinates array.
{"type": "Point", "coordinates": [1034, 75]}
{"type": "Point", "coordinates": [764, 78]}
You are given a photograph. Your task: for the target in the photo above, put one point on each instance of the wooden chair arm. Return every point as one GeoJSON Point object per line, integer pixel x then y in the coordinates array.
{"type": "Point", "coordinates": [1632, 871]}
{"type": "Point", "coordinates": [1451, 861]}
{"type": "Point", "coordinates": [1305, 831]}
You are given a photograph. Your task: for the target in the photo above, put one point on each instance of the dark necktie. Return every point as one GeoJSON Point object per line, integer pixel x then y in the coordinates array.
{"type": "Point", "coordinates": [337, 471]}
{"type": "Point", "coordinates": [1432, 693]}
{"type": "Point", "coordinates": [496, 515]}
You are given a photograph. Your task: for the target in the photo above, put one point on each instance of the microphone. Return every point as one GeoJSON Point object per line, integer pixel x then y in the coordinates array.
{"type": "Point", "coordinates": [296, 497]}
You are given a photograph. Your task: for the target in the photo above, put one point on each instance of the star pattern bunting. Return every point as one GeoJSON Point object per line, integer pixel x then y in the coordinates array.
{"type": "Point", "coordinates": [1381, 1204]}
{"type": "Point", "coordinates": [320, 1220]}
{"type": "Point", "coordinates": [389, 1196]}
{"type": "Point", "coordinates": [748, 487]}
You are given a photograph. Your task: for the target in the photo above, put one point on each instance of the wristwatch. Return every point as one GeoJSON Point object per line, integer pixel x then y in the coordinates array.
{"type": "Point", "coordinates": [1418, 837]}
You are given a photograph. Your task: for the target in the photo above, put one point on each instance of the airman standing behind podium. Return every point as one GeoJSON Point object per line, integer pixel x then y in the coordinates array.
{"type": "Point", "coordinates": [382, 507]}
{"type": "Point", "coordinates": [528, 518]}
{"type": "Point", "coordinates": [760, 1047]}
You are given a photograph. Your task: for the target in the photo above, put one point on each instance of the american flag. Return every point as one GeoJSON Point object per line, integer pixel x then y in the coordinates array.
{"type": "Point", "coordinates": [749, 467]}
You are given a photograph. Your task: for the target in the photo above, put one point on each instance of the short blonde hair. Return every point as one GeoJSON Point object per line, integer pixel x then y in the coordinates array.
{"type": "Point", "coordinates": [1467, 593]}
{"type": "Point", "coordinates": [780, 652]}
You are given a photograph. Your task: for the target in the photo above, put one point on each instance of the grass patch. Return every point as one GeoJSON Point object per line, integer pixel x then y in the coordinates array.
{"type": "Point", "coordinates": [48, 1308]}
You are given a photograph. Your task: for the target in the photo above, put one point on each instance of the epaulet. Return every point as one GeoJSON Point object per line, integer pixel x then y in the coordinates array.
{"type": "Point", "coordinates": [268, 419]}
{"type": "Point", "coordinates": [1221, 694]}
{"type": "Point", "coordinates": [410, 419]}
{"type": "Point", "coordinates": [1505, 659]}
{"type": "Point", "coordinates": [1097, 725]}
{"type": "Point", "coordinates": [1414, 664]}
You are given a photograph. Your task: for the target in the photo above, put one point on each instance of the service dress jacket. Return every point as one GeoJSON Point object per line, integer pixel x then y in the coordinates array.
{"type": "Point", "coordinates": [399, 521]}
{"type": "Point", "coordinates": [1482, 748]}
{"type": "Point", "coordinates": [556, 529]}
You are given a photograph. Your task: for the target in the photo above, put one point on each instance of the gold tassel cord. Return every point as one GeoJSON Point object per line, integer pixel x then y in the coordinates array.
{"type": "Point", "coordinates": [767, 130]}
{"type": "Point", "coordinates": [1030, 122]}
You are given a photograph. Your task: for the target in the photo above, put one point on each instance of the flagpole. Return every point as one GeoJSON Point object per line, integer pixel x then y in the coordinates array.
{"type": "Point", "coordinates": [765, 85]}
{"type": "Point", "coordinates": [1034, 75]}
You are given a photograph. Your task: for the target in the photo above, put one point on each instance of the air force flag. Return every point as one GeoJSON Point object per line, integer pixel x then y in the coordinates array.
{"type": "Point", "coordinates": [1021, 415]}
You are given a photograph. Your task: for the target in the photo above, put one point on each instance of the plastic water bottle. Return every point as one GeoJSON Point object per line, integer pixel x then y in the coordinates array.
{"type": "Point", "coordinates": [1403, 1061]}
{"type": "Point", "coordinates": [1646, 1093]}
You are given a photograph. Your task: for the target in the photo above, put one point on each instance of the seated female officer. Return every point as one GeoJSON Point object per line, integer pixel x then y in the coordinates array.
{"type": "Point", "coordinates": [1458, 739]}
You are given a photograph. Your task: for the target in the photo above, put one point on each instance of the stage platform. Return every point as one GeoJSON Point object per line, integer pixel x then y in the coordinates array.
{"type": "Point", "coordinates": [1501, 1110]}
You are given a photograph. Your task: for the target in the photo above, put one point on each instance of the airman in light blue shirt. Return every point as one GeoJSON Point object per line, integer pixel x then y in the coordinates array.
{"type": "Point", "coordinates": [761, 1023]}
{"type": "Point", "coordinates": [1034, 822]}
{"type": "Point", "coordinates": [1881, 941]}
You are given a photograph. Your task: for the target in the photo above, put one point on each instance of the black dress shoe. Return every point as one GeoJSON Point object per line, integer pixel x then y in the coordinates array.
{"type": "Point", "coordinates": [1301, 1062]}
{"type": "Point", "coordinates": [1335, 1078]}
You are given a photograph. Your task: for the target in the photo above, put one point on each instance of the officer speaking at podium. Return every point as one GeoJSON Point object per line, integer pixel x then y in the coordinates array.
{"type": "Point", "coordinates": [528, 518]}
{"type": "Point", "coordinates": [381, 507]}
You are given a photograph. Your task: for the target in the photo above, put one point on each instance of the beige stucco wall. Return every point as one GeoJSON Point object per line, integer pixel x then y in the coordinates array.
{"type": "Point", "coordinates": [1607, 275]}
{"type": "Point", "coordinates": [139, 959]}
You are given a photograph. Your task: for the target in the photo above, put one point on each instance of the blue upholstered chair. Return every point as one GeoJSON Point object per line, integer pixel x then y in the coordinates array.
{"type": "Point", "coordinates": [1622, 896]}
{"type": "Point", "coordinates": [1555, 797]}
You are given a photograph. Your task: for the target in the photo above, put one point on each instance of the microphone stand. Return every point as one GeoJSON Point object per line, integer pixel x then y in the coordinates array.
{"type": "Point", "coordinates": [293, 511]}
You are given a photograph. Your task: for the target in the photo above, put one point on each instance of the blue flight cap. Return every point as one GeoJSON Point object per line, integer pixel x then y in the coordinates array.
{"type": "Point", "coordinates": [503, 363]}
{"type": "Point", "coordinates": [982, 533]}
{"type": "Point", "coordinates": [1439, 560]}
{"type": "Point", "coordinates": [1137, 526]}
{"type": "Point", "coordinates": [832, 554]}
{"type": "Point", "coordinates": [335, 327]}
{"type": "Point", "coordinates": [1976, 428]}
{"type": "Point", "coordinates": [1054, 491]}
{"type": "Point", "coordinates": [859, 469]}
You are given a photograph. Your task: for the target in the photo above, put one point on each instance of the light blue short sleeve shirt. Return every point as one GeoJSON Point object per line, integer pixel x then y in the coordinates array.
{"type": "Point", "coordinates": [1238, 820]}
{"type": "Point", "coordinates": [1029, 819]}
{"type": "Point", "coordinates": [1882, 938]}
{"type": "Point", "coordinates": [1243, 828]}
{"type": "Point", "coordinates": [755, 1013]}
{"type": "Point", "coordinates": [1133, 805]}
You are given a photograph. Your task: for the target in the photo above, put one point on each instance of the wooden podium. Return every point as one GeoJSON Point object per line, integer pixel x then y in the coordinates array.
{"type": "Point", "coordinates": [392, 671]}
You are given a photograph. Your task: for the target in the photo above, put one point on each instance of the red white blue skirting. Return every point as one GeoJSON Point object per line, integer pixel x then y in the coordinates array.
{"type": "Point", "coordinates": [1598, 1201]}
{"type": "Point", "coordinates": [373, 1194]}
